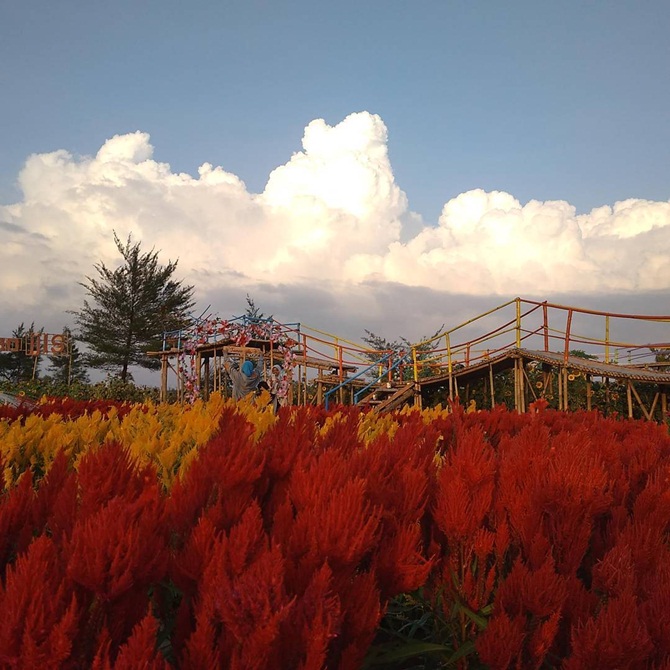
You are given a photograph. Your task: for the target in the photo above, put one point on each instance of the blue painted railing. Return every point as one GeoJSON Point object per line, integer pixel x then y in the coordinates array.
{"type": "Point", "coordinates": [348, 380]}
{"type": "Point", "coordinates": [402, 359]}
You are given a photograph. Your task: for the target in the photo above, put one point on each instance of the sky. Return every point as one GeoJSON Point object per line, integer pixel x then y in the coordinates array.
{"type": "Point", "coordinates": [379, 165]}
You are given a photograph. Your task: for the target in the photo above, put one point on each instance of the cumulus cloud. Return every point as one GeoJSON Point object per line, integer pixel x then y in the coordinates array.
{"type": "Point", "coordinates": [332, 219]}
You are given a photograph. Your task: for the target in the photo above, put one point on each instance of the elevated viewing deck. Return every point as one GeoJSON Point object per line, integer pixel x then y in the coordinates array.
{"type": "Point", "coordinates": [520, 357]}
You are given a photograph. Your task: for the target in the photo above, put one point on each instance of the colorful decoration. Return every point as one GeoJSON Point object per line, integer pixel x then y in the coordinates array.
{"type": "Point", "coordinates": [238, 333]}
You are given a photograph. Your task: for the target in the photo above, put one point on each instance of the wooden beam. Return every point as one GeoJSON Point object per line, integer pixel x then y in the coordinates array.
{"type": "Point", "coordinates": [493, 398]}
{"type": "Point", "coordinates": [206, 385]}
{"type": "Point", "coordinates": [639, 401]}
{"type": "Point", "coordinates": [164, 378]}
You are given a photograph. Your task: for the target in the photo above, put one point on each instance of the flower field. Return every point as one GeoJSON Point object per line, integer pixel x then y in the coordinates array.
{"type": "Point", "coordinates": [221, 535]}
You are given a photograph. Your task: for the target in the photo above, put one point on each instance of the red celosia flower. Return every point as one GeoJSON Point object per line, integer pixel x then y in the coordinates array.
{"type": "Point", "coordinates": [399, 562]}
{"type": "Point", "coordinates": [315, 621]}
{"type": "Point", "coordinates": [107, 472]}
{"type": "Point", "coordinates": [615, 575]}
{"type": "Point", "coordinates": [139, 651]}
{"type": "Point", "coordinates": [120, 546]}
{"type": "Point", "coordinates": [362, 612]}
{"type": "Point", "coordinates": [39, 610]}
{"type": "Point", "coordinates": [242, 592]}
{"type": "Point", "coordinates": [16, 507]}
{"type": "Point", "coordinates": [541, 592]}
{"type": "Point", "coordinates": [465, 487]}
{"type": "Point", "coordinates": [616, 638]}
{"type": "Point", "coordinates": [221, 479]}
{"type": "Point", "coordinates": [500, 645]}
{"type": "Point", "coordinates": [338, 526]}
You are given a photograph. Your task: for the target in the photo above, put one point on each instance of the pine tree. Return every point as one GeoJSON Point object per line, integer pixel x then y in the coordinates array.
{"type": "Point", "coordinates": [18, 366]}
{"type": "Point", "coordinates": [130, 308]}
{"type": "Point", "coordinates": [424, 353]}
{"type": "Point", "coordinates": [253, 314]}
{"type": "Point", "coordinates": [69, 367]}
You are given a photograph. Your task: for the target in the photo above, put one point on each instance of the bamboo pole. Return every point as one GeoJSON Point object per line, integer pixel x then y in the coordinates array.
{"type": "Point", "coordinates": [518, 323]}
{"type": "Point", "coordinates": [206, 388]}
{"type": "Point", "coordinates": [450, 367]}
{"type": "Point", "coordinates": [164, 377]}
{"type": "Point", "coordinates": [516, 385]}
{"type": "Point", "coordinates": [198, 370]}
{"type": "Point", "coordinates": [415, 365]}
{"type": "Point", "coordinates": [639, 402]}
{"type": "Point", "coordinates": [493, 400]}
{"type": "Point", "coordinates": [568, 325]}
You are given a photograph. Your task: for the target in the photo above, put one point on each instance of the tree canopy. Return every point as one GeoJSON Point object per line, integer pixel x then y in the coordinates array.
{"type": "Point", "coordinates": [424, 352]}
{"type": "Point", "coordinates": [18, 366]}
{"type": "Point", "coordinates": [129, 308]}
{"type": "Point", "coordinates": [69, 366]}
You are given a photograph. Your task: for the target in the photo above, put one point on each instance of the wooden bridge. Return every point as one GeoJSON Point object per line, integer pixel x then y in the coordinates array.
{"type": "Point", "coordinates": [515, 354]}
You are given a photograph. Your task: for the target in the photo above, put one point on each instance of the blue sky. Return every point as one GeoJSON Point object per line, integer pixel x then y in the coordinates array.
{"type": "Point", "coordinates": [467, 150]}
{"type": "Point", "coordinates": [545, 100]}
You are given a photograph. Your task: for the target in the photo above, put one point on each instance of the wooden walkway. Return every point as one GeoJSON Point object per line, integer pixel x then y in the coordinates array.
{"type": "Point", "coordinates": [562, 367]}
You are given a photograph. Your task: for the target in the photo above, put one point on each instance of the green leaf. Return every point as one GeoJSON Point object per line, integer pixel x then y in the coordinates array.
{"type": "Point", "coordinates": [394, 653]}
{"type": "Point", "coordinates": [463, 651]}
{"type": "Point", "coordinates": [480, 621]}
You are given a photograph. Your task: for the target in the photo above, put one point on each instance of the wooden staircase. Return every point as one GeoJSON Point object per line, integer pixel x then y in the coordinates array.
{"type": "Point", "coordinates": [384, 398]}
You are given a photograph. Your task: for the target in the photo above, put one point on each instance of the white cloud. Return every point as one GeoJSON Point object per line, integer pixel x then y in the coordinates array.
{"type": "Point", "coordinates": [332, 216]}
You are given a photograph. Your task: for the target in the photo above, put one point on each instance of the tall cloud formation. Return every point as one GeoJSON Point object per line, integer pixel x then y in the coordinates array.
{"type": "Point", "coordinates": [332, 216]}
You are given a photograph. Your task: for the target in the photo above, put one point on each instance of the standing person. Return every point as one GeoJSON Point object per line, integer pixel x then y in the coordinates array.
{"type": "Point", "coordinates": [245, 379]}
{"type": "Point", "coordinates": [278, 387]}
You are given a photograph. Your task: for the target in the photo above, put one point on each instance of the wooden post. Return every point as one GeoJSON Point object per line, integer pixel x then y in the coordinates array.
{"type": "Point", "coordinates": [517, 385]}
{"type": "Point", "coordinates": [164, 377]}
{"type": "Point", "coordinates": [630, 400]}
{"type": "Point", "coordinates": [589, 392]}
{"type": "Point", "coordinates": [206, 388]}
{"type": "Point", "coordinates": [493, 400]}
{"type": "Point", "coordinates": [450, 367]}
{"type": "Point", "coordinates": [640, 403]}
{"type": "Point", "coordinates": [568, 325]}
{"type": "Point", "coordinates": [518, 323]}
{"type": "Point", "coordinates": [299, 383]}
{"type": "Point", "coordinates": [198, 370]}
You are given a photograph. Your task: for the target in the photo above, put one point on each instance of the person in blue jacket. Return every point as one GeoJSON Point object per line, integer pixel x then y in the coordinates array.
{"type": "Point", "coordinates": [245, 379]}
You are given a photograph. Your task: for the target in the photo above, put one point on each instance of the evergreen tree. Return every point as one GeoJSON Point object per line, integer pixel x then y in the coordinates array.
{"type": "Point", "coordinates": [424, 353]}
{"type": "Point", "coordinates": [18, 366]}
{"type": "Point", "coordinates": [253, 313]}
{"type": "Point", "coordinates": [68, 367]}
{"type": "Point", "coordinates": [129, 310]}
